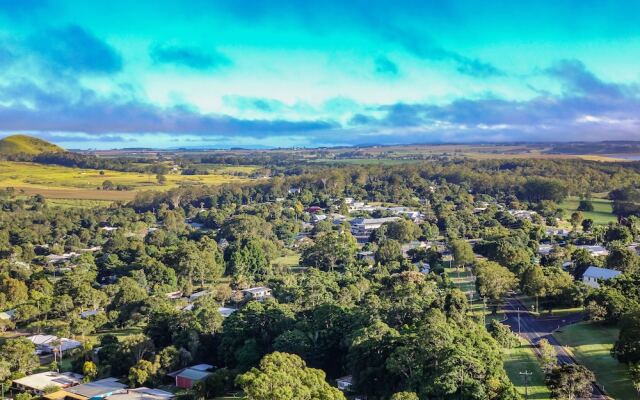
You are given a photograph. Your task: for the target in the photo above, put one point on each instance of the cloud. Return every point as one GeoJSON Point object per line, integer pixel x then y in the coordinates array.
{"type": "Point", "coordinates": [190, 57]}
{"type": "Point", "coordinates": [76, 50]}
{"type": "Point", "coordinates": [577, 79]}
{"type": "Point", "coordinates": [384, 66]}
{"type": "Point", "coordinates": [26, 106]}
{"type": "Point", "coordinates": [244, 103]}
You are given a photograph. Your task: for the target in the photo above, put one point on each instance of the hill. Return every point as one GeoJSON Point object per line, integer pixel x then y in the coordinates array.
{"type": "Point", "coordinates": [23, 144]}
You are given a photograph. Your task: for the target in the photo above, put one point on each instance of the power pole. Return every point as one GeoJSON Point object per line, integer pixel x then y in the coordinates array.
{"type": "Point", "coordinates": [526, 374]}
{"type": "Point", "coordinates": [518, 319]}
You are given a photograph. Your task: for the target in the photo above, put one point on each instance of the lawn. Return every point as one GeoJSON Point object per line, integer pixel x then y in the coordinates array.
{"type": "Point", "coordinates": [591, 345]}
{"type": "Point", "coordinates": [78, 183]}
{"type": "Point", "coordinates": [601, 214]}
{"type": "Point", "coordinates": [521, 359]}
{"type": "Point", "coordinates": [291, 259]}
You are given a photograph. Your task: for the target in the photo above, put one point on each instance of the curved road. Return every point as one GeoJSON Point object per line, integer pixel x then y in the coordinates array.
{"type": "Point", "coordinates": [534, 328]}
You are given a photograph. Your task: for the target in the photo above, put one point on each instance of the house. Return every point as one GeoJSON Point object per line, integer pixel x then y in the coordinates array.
{"type": "Point", "coordinates": [89, 313]}
{"type": "Point", "coordinates": [424, 267]}
{"type": "Point", "coordinates": [414, 245]}
{"type": "Point", "coordinates": [294, 190]}
{"type": "Point", "coordinates": [523, 214]}
{"type": "Point", "coordinates": [58, 258]}
{"type": "Point", "coordinates": [257, 293]}
{"type": "Point", "coordinates": [8, 315]}
{"type": "Point", "coordinates": [95, 390]}
{"type": "Point", "coordinates": [345, 383]}
{"type": "Point", "coordinates": [197, 295]}
{"type": "Point", "coordinates": [364, 226]}
{"type": "Point", "coordinates": [318, 217]}
{"type": "Point", "coordinates": [557, 232]}
{"type": "Point", "coordinates": [595, 250]}
{"type": "Point", "coordinates": [141, 393]}
{"type": "Point", "coordinates": [367, 256]}
{"type": "Point", "coordinates": [186, 377]}
{"type": "Point", "coordinates": [226, 311]}
{"type": "Point", "coordinates": [47, 343]}
{"type": "Point", "coordinates": [545, 249]}
{"type": "Point", "coordinates": [313, 209]}
{"type": "Point", "coordinates": [594, 274]}
{"type": "Point", "coordinates": [37, 383]}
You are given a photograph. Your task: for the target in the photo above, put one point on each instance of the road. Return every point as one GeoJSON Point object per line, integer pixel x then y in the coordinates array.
{"type": "Point", "coordinates": [534, 328]}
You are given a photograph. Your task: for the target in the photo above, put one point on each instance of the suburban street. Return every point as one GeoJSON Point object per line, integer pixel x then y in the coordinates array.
{"type": "Point", "coordinates": [534, 328]}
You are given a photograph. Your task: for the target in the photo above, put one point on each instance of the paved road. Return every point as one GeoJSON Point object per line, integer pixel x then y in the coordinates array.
{"type": "Point", "coordinates": [534, 328]}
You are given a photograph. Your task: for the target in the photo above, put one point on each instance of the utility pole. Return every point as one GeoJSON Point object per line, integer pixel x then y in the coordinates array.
{"type": "Point", "coordinates": [2, 392]}
{"type": "Point", "coordinates": [518, 319]}
{"type": "Point", "coordinates": [526, 374]}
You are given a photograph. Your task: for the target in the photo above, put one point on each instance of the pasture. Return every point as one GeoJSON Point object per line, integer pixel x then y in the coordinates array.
{"type": "Point", "coordinates": [602, 211]}
{"type": "Point", "coordinates": [57, 182]}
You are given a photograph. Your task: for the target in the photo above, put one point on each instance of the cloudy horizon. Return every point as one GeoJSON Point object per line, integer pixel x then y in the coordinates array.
{"type": "Point", "coordinates": [286, 73]}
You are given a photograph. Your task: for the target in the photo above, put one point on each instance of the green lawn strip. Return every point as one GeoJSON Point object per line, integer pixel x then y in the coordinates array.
{"type": "Point", "coordinates": [521, 359]}
{"type": "Point", "coordinates": [591, 346]}
{"type": "Point", "coordinates": [601, 214]}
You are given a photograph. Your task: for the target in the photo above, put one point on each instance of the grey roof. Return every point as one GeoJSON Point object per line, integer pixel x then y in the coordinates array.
{"type": "Point", "coordinates": [601, 273]}
{"type": "Point", "coordinates": [193, 374]}
{"type": "Point", "coordinates": [100, 388]}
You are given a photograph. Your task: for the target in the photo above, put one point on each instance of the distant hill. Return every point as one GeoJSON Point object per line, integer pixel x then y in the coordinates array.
{"type": "Point", "coordinates": [23, 144]}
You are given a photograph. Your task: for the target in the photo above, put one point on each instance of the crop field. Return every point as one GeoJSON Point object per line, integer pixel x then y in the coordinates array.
{"type": "Point", "coordinates": [602, 212]}
{"type": "Point", "coordinates": [59, 182]}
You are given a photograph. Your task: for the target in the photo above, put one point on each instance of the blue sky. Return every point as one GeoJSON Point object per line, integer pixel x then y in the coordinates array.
{"type": "Point", "coordinates": [105, 74]}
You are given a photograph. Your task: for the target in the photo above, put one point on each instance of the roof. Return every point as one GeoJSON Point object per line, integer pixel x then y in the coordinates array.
{"type": "Point", "coordinates": [49, 378]}
{"type": "Point", "coordinates": [63, 395]}
{"type": "Point", "coordinates": [255, 290]}
{"type": "Point", "coordinates": [7, 314]}
{"type": "Point", "coordinates": [142, 393]}
{"type": "Point", "coordinates": [345, 379]}
{"type": "Point", "coordinates": [195, 368]}
{"type": "Point", "coordinates": [226, 311]}
{"type": "Point", "coordinates": [99, 388]}
{"type": "Point", "coordinates": [40, 340]}
{"type": "Point", "coordinates": [193, 374]}
{"type": "Point", "coordinates": [600, 273]}
{"type": "Point", "coordinates": [357, 221]}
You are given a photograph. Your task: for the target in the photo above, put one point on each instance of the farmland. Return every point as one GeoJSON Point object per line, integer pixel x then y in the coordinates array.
{"type": "Point", "coordinates": [58, 182]}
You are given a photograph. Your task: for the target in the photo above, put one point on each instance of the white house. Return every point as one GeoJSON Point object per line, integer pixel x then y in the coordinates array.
{"type": "Point", "coordinates": [593, 274]}
{"type": "Point", "coordinates": [257, 293]}
{"type": "Point", "coordinates": [364, 226]}
{"type": "Point", "coordinates": [36, 383]}
{"type": "Point", "coordinates": [345, 383]}
{"type": "Point", "coordinates": [595, 250]}
{"type": "Point", "coordinates": [47, 343]}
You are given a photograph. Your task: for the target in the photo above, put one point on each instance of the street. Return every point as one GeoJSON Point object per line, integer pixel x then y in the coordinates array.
{"type": "Point", "coordinates": [534, 328]}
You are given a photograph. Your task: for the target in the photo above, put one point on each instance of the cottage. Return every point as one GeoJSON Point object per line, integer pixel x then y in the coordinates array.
{"type": "Point", "coordinates": [48, 343]}
{"type": "Point", "coordinates": [257, 293]}
{"type": "Point", "coordinates": [37, 383]}
{"type": "Point", "coordinates": [595, 250]}
{"type": "Point", "coordinates": [186, 377]}
{"type": "Point", "coordinates": [345, 383]}
{"type": "Point", "coordinates": [594, 274]}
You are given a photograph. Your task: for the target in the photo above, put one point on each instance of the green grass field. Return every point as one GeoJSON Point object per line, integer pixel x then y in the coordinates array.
{"type": "Point", "coordinates": [521, 359]}
{"type": "Point", "coordinates": [57, 182]}
{"type": "Point", "coordinates": [591, 345]}
{"type": "Point", "coordinates": [601, 214]}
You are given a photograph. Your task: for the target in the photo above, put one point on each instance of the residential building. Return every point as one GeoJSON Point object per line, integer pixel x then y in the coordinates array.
{"type": "Point", "coordinates": [47, 343]}
{"type": "Point", "coordinates": [364, 226]}
{"type": "Point", "coordinates": [595, 250]}
{"type": "Point", "coordinates": [141, 393]}
{"type": "Point", "coordinates": [594, 274]}
{"type": "Point", "coordinates": [257, 293]}
{"type": "Point", "coordinates": [9, 314]}
{"type": "Point", "coordinates": [345, 383]}
{"type": "Point", "coordinates": [37, 383]}
{"type": "Point", "coordinates": [226, 311]}
{"type": "Point", "coordinates": [186, 377]}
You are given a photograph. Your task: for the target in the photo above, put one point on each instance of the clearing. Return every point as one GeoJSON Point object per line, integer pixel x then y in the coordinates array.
{"type": "Point", "coordinates": [591, 346]}
{"type": "Point", "coordinates": [59, 182]}
{"type": "Point", "coordinates": [602, 211]}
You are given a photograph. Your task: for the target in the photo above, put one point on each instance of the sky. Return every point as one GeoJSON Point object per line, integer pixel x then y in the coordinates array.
{"type": "Point", "coordinates": [284, 73]}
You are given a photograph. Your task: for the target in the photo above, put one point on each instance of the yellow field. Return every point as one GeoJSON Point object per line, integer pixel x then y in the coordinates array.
{"type": "Point", "coordinates": [58, 182]}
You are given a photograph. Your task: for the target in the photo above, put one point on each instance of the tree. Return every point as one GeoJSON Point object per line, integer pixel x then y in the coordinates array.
{"type": "Point", "coordinates": [405, 396]}
{"type": "Point", "coordinates": [503, 335]}
{"type": "Point", "coordinates": [107, 185]}
{"type": "Point", "coordinates": [20, 353]}
{"type": "Point", "coordinates": [161, 178]}
{"type": "Point", "coordinates": [634, 372]}
{"type": "Point", "coordinates": [585, 205]}
{"type": "Point", "coordinates": [283, 376]}
{"type": "Point", "coordinates": [571, 381]}
{"type": "Point", "coordinates": [388, 251]}
{"type": "Point", "coordinates": [89, 370]}
{"type": "Point", "coordinates": [627, 348]}
{"type": "Point", "coordinates": [330, 251]}
{"type": "Point", "coordinates": [142, 372]}
{"type": "Point", "coordinates": [576, 219]}
{"type": "Point", "coordinates": [587, 224]}
{"type": "Point", "coordinates": [494, 281]}
{"type": "Point", "coordinates": [548, 356]}
{"type": "Point", "coordinates": [462, 253]}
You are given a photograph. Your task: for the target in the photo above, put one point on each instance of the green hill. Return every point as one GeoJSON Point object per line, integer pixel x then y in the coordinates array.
{"type": "Point", "coordinates": [23, 144]}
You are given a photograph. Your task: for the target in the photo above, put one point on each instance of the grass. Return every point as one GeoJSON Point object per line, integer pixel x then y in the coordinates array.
{"type": "Point", "coordinates": [602, 211]}
{"type": "Point", "coordinates": [59, 182]}
{"type": "Point", "coordinates": [591, 346]}
{"type": "Point", "coordinates": [288, 260]}
{"type": "Point", "coordinates": [78, 203]}
{"type": "Point", "coordinates": [520, 359]}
